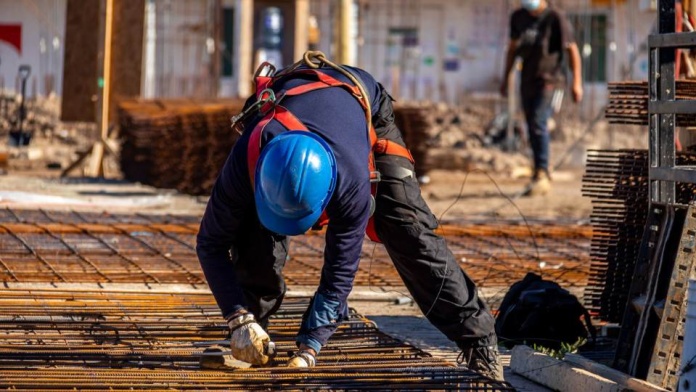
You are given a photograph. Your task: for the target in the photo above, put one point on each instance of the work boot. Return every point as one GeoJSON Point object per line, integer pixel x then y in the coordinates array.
{"type": "Point", "coordinates": [302, 359]}
{"type": "Point", "coordinates": [483, 360]}
{"type": "Point", "coordinates": [540, 184]}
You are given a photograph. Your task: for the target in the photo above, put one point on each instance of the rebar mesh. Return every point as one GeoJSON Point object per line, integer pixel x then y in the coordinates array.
{"type": "Point", "coordinates": [628, 102]}
{"type": "Point", "coordinates": [64, 340]}
{"type": "Point", "coordinates": [45, 246]}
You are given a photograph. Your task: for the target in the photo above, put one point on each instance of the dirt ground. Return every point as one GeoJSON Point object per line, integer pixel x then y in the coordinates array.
{"type": "Point", "coordinates": [452, 196]}
{"type": "Point", "coordinates": [459, 196]}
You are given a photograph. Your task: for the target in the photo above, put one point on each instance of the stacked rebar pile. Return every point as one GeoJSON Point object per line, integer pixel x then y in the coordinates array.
{"type": "Point", "coordinates": [628, 102]}
{"type": "Point", "coordinates": [176, 144]}
{"type": "Point", "coordinates": [183, 144]}
{"type": "Point", "coordinates": [617, 182]}
{"type": "Point", "coordinates": [414, 127]}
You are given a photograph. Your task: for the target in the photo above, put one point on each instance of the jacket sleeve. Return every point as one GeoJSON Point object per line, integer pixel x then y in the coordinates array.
{"type": "Point", "coordinates": [344, 239]}
{"type": "Point", "coordinates": [230, 199]}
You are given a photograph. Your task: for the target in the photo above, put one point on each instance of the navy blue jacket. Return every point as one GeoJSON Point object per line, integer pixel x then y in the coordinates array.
{"type": "Point", "coordinates": [338, 118]}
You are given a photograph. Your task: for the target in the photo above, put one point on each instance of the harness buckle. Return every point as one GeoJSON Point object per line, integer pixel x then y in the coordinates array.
{"type": "Point", "coordinates": [266, 104]}
{"type": "Point", "coordinates": [375, 177]}
{"type": "Point", "coordinates": [267, 100]}
{"type": "Point", "coordinates": [266, 69]}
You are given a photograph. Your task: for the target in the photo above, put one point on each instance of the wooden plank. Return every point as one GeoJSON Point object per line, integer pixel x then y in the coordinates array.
{"type": "Point", "coordinates": [80, 69]}
{"type": "Point", "coordinates": [127, 53]}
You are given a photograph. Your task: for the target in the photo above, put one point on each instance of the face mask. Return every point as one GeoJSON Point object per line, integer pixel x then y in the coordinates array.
{"type": "Point", "coordinates": [531, 5]}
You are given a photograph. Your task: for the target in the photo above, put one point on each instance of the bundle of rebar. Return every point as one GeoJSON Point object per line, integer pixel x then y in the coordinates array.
{"type": "Point", "coordinates": [617, 183]}
{"type": "Point", "coordinates": [176, 144]}
{"type": "Point", "coordinates": [628, 102]}
{"type": "Point", "coordinates": [182, 144]}
{"type": "Point", "coordinates": [413, 124]}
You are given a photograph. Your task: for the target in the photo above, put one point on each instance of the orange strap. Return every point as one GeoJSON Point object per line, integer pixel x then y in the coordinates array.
{"type": "Point", "coordinates": [324, 81]}
{"type": "Point", "coordinates": [388, 147]}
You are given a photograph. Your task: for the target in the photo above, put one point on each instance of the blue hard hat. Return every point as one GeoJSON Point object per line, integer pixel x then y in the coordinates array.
{"type": "Point", "coordinates": [295, 179]}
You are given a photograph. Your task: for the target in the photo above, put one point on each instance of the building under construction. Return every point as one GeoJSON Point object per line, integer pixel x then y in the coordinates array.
{"type": "Point", "coordinates": [123, 112]}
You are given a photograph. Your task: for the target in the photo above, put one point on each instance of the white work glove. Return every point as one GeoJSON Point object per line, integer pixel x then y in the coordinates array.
{"type": "Point", "coordinates": [302, 359]}
{"type": "Point", "coordinates": [249, 342]}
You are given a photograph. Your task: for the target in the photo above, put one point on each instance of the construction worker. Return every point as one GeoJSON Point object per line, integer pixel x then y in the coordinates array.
{"type": "Point", "coordinates": [541, 37]}
{"type": "Point", "coordinates": [305, 156]}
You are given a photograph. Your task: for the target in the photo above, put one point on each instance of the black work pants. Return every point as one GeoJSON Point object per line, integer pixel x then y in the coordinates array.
{"type": "Point", "coordinates": [440, 288]}
{"type": "Point", "coordinates": [405, 224]}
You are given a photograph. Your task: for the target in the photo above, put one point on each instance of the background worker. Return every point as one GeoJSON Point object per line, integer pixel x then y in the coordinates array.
{"type": "Point", "coordinates": [242, 243]}
{"type": "Point", "coordinates": [543, 39]}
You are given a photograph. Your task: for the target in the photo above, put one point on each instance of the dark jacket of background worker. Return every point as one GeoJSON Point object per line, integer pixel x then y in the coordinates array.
{"type": "Point", "coordinates": [243, 260]}
{"type": "Point", "coordinates": [543, 39]}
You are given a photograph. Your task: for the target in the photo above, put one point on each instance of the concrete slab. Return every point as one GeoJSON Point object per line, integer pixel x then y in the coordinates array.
{"type": "Point", "coordinates": [406, 322]}
{"type": "Point", "coordinates": [573, 374]}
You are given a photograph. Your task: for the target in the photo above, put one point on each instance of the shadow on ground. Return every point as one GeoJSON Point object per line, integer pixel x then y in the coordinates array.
{"type": "Point", "coordinates": [415, 330]}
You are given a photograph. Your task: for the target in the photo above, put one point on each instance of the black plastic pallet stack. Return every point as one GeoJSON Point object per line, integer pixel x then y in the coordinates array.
{"type": "Point", "coordinates": [617, 182]}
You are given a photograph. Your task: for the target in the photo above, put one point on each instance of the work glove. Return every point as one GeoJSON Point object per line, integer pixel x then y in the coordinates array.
{"type": "Point", "coordinates": [249, 342]}
{"type": "Point", "coordinates": [302, 359]}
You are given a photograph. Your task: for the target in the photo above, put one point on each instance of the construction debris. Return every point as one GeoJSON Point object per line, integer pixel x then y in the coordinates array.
{"type": "Point", "coordinates": [455, 138]}
{"type": "Point", "coordinates": [573, 373]}
{"type": "Point", "coordinates": [42, 115]}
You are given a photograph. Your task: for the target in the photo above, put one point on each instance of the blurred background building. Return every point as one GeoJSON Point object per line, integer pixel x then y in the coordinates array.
{"type": "Point", "coordinates": [422, 50]}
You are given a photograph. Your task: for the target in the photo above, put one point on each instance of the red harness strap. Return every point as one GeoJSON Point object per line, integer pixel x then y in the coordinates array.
{"type": "Point", "coordinates": [285, 118]}
{"type": "Point", "coordinates": [290, 122]}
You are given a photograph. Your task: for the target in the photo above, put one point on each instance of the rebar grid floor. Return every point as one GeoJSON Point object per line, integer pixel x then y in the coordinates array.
{"type": "Point", "coordinates": [54, 340]}
{"type": "Point", "coordinates": [89, 337]}
{"type": "Point", "coordinates": [71, 246]}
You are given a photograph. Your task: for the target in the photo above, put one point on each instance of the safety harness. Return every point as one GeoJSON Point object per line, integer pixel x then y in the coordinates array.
{"type": "Point", "coordinates": [269, 108]}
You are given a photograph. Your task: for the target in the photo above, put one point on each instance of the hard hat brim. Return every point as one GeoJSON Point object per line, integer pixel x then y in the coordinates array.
{"type": "Point", "coordinates": [285, 226]}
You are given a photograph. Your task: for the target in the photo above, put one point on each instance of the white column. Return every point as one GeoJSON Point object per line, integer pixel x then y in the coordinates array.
{"type": "Point", "coordinates": [149, 58]}
{"type": "Point", "coordinates": [346, 42]}
{"type": "Point", "coordinates": [244, 37]}
{"type": "Point", "coordinates": [301, 28]}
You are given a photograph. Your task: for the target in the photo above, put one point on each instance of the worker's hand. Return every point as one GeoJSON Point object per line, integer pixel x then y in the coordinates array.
{"type": "Point", "coordinates": [577, 93]}
{"type": "Point", "coordinates": [303, 359]}
{"type": "Point", "coordinates": [504, 89]}
{"type": "Point", "coordinates": [249, 342]}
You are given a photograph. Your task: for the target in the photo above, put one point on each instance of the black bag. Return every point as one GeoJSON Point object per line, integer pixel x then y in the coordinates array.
{"type": "Point", "coordinates": [540, 312]}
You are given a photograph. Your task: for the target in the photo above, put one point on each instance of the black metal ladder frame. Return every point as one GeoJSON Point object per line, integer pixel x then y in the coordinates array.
{"type": "Point", "coordinates": [645, 308]}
